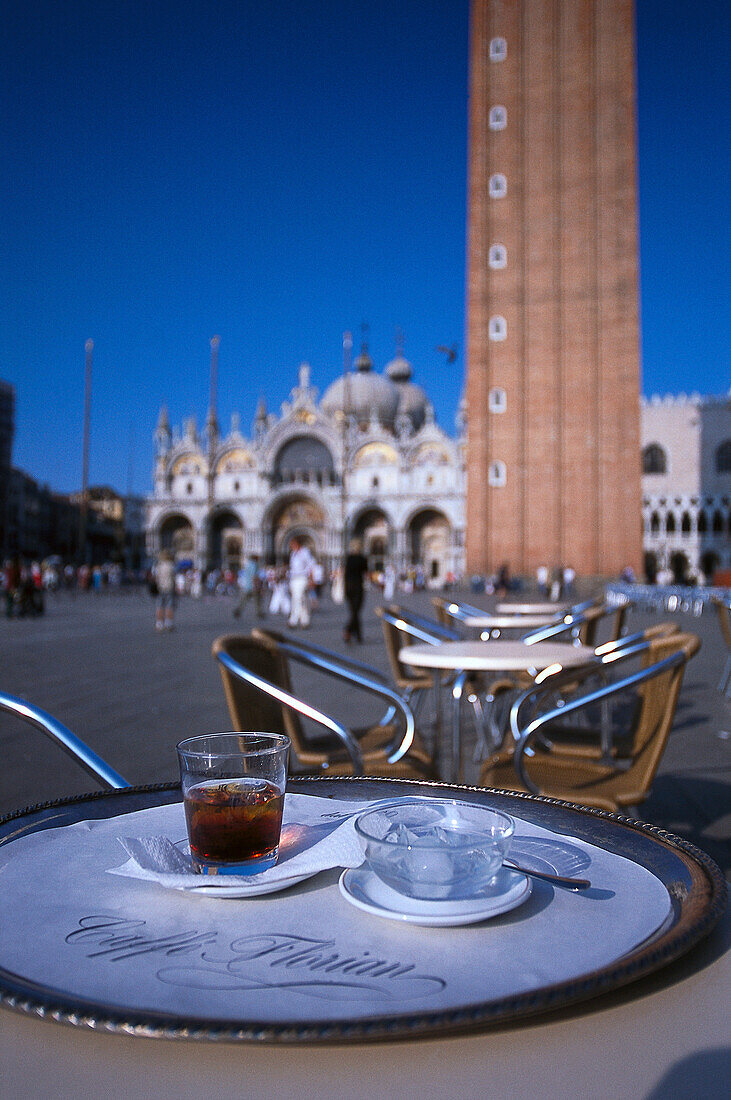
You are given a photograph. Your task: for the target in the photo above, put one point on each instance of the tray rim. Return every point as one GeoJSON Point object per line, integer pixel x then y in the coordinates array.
{"type": "Point", "coordinates": [696, 911]}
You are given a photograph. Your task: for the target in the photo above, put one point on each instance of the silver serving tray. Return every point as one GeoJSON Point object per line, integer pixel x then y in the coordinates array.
{"type": "Point", "coordinates": [695, 884]}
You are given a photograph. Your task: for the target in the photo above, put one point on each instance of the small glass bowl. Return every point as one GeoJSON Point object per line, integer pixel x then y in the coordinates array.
{"type": "Point", "coordinates": [435, 849]}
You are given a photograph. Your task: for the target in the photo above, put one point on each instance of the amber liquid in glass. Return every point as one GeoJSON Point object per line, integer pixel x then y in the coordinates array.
{"type": "Point", "coordinates": [233, 820]}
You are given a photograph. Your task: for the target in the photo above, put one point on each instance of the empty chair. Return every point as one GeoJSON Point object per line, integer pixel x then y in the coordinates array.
{"type": "Point", "coordinates": [723, 609]}
{"type": "Point", "coordinates": [643, 703]}
{"type": "Point", "coordinates": [85, 757]}
{"type": "Point", "coordinates": [578, 627]}
{"type": "Point", "coordinates": [257, 682]}
{"type": "Point", "coordinates": [657, 630]}
{"type": "Point", "coordinates": [401, 628]}
{"type": "Point", "coordinates": [451, 612]}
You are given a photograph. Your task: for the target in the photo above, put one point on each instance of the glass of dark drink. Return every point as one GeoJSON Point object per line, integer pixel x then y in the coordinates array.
{"type": "Point", "coordinates": [233, 794]}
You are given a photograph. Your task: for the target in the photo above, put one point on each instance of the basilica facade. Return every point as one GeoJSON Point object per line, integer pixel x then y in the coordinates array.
{"type": "Point", "coordinates": [367, 460]}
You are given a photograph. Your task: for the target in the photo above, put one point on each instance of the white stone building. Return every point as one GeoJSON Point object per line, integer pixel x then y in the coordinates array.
{"type": "Point", "coordinates": [368, 460]}
{"type": "Point", "coordinates": [686, 482]}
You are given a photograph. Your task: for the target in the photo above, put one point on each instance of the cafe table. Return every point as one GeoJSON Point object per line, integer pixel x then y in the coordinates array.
{"type": "Point", "coordinates": [402, 1011]}
{"type": "Point", "coordinates": [494, 656]}
{"type": "Point", "coordinates": [502, 622]}
{"type": "Point", "coordinates": [525, 608]}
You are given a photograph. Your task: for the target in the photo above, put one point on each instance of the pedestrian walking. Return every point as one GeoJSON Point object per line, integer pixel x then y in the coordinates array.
{"type": "Point", "coordinates": [280, 602]}
{"type": "Point", "coordinates": [164, 576]}
{"type": "Point", "coordinates": [301, 564]}
{"type": "Point", "coordinates": [246, 582]}
{"type": "Point", "coordinates": [318, 583]}
{"type": "Point", "coordinates": [356, 568]}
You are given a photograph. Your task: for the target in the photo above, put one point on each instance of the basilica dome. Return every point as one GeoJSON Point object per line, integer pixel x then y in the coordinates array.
{"type": "Point", "coordinates": [412, 398]}
{"type": "Point", "coordinates": [362, 394]}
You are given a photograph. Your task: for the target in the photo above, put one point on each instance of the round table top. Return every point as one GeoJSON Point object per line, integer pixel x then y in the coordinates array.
{"type": "Point", "coordinates": [509, 622]}
{"type": "Point", "coordinates": [532, 608]}
{"type": "Point", "coordinates": [495, 656]}
{"type": "Point", "coordinates": [572, 1051]}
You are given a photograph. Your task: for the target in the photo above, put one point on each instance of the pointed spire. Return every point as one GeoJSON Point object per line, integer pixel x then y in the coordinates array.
{"type": "Point", "coordinates": [211, 427]}
{"type": "Point", "coordinates": [363, 362]}
{"type": "Point", "coordinates": [163, 435]}
{"type": "Point", "coordinates": [399, 369]}
{"type": "Point", "coordinates": [163, 420]}
{"type": "Point", "coordinates": [260, 418]}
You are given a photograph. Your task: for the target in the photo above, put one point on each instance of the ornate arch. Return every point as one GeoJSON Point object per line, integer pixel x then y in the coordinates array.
{"type": "Point", "coordinates": [293, 514]}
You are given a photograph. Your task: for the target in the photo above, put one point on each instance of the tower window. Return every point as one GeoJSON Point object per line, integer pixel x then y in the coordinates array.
{"type": "Point", "coordinates": [497, 474]}
{"type": "Point", "coordinates": [497, 328]}
{"type": "Point", "coordinates": [375, 483]}
{"type": "Point", "coordinates": [723, 458]}
{"type": "Point", "coordinates": [498, 49]}
{"type": "Point", "coordinates": [237, 486]}
{"type": "Point", "coordinates": [497, 400]}
{"type": "Point", "coordinates": [189, 487]}
{"type": "Point", "coordinates": [654, 459]}
{"type": "Point", "coordinates": [497, 257]}
{"type": "Point", "coordinates": [497, 187]}
{"type": "Point", "coordinates": [497, 118]}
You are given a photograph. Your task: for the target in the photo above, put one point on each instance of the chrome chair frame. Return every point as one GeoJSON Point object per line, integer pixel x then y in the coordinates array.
{"type": "Point", "coordinates": [85, 757]}
{"type": "Point", "coordinates": [424, 630]}
{"type": "Point", "coordinates": [552, 681]}
{"type": "Point", "coordinates": [458, 610]}
{"type": "Point", "coordinates": [434, 633]}
{"type": "Point", "coordinates": [723, 608]}
{"type": "Point", "coordinates": [525, 737]}
{"type": "Point", "coordinates": [343, 660]}
{"type": "Point", "coordinates": [570, 623]}
{"type": "Point", "coordinates": [328, 664]}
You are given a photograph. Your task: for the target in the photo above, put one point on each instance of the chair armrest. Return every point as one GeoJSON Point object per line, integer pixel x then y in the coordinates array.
{"type": "Point", "coordinates": [72, 745]}
{"type": "Point", "coordinates": [333, 667]}
{"type": "Point", "coordinates": [318, 716]}
{"type": "Point", "coordinates": [525, 737]}
{"type": "Point", "coordinates": [433, 636]}
{"type": "Point", "coordinates": [569, 624]}
{"type": "Point", "coordinates": [349, 662]}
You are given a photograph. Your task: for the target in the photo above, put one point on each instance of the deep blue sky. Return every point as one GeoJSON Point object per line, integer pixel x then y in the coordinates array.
{"type": "Point", "coordinates": [277, 173]}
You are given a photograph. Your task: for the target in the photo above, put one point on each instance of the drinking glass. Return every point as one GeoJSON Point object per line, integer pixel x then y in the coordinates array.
{"type": "Point", "coordinates": [233, 794]}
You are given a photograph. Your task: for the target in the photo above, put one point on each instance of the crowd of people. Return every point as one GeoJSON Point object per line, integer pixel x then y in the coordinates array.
{"type": "Point", "coordinates": [292, 588]}
{"type": "Point", "coordinates": [19, 579]}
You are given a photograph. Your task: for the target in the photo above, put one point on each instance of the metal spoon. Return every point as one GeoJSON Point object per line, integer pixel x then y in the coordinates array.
{"type": "Point", "coordinates": [556, 880]}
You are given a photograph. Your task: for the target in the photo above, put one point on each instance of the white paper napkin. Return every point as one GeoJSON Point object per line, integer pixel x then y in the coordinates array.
{"type": "Point", "coordinates": [305, 848]}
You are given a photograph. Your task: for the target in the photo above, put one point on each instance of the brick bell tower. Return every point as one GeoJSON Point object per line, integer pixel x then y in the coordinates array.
{"type": "Point", "coordinates": [553, 444]}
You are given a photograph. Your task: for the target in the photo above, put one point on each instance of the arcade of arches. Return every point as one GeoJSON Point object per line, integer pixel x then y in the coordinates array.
{"type": "Point", "coordinates": [425, 539]}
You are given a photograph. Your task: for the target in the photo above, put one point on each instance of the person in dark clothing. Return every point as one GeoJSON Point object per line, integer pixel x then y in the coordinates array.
{"type": "Point", "coordinates": [356, 568]}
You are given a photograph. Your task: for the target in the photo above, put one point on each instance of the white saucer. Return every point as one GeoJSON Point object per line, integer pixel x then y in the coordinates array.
{"type": "Point", "coordinates": [245, 890]}
{"type": "Point", "coordinates": [362, 888]}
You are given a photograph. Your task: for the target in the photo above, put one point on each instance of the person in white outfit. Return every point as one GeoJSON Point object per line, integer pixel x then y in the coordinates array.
{"type": "Point", "coordinates": [301, 565]}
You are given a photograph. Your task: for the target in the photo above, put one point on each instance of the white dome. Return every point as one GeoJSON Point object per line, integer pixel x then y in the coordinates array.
{"type": "Point", "coordinates": [399, 369]}
{"type": "Point", "coordinates": [412, 403]}
{"type": "Point", "coordinates": [360, 395]}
